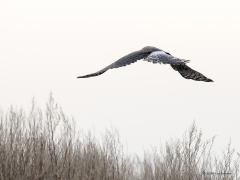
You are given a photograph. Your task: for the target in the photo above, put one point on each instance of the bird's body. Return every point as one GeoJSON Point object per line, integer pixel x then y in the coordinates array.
{"type": "Point", "coordinates": [162, 57]}
{"type": "Point", "coordinates": [155, 55]}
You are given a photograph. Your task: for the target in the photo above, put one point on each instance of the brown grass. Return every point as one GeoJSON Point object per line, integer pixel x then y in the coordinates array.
{"type": "Point", "coordinates": [44, 144]}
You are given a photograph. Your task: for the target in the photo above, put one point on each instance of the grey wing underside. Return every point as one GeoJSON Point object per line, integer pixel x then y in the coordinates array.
{"type": "Point", "coordinates": [189, 73]}
{"type": "Point", "coordinates": [126, 60]}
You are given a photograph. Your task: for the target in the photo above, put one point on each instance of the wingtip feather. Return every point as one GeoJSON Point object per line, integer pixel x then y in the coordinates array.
{"type": "Point", "coordinates": [210, 80]}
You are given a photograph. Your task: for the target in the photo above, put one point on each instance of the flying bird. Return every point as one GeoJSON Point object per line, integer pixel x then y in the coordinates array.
{"type": "Point", "coordinates": [155, 55]}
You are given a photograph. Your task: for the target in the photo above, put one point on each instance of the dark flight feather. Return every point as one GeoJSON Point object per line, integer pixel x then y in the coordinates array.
{"type": "Point", "coordinates": [189, 73]}
{"type": "Point", "coordinates": [125, 60]}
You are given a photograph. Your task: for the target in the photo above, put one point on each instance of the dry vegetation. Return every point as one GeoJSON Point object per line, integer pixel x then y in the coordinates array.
{"type": "Point", "coordinates": [44, 144]}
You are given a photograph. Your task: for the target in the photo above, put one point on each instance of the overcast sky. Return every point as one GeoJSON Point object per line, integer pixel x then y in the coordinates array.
{"type": "Point", "coordinates": [45, 44]}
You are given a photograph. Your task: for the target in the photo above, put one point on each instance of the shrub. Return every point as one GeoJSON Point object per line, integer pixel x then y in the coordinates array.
{"type": "Point", "coordinates": [44, 144]}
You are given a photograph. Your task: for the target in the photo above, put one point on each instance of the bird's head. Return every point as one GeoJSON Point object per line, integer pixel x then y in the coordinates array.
{"type": "Point", "coordinates": [150, 49]}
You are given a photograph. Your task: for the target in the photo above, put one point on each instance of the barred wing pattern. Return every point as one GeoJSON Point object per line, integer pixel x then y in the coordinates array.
{"type": "Point", "coordinates": [189, 73]}
{"type": "Point", "coordinates": [125, 60]}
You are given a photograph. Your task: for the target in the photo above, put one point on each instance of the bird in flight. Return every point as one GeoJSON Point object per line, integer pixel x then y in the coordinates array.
{"type": "Point", "coordinates": [154, 55]}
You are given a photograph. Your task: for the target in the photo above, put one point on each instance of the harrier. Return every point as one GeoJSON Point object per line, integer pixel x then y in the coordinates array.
{"type": "Point", "coordinates": [154, 55]}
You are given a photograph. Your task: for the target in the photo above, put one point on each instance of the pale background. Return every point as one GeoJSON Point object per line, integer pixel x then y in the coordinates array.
{"type": "Point", "coordinates": [45, 44]}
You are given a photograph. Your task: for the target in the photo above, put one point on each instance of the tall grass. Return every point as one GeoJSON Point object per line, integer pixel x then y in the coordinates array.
{"type": "Point", "coordinates": [44, 144]}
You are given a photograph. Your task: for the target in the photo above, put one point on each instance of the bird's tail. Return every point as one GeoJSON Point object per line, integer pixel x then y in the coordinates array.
{"type": "Point", "coordinates": [185, 60]}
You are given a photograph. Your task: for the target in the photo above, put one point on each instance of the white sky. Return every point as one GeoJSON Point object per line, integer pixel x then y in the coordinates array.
{"type": "Point", "coordinates": [45, 44]}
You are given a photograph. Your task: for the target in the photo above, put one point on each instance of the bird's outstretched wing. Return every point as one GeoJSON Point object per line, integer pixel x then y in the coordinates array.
{"type": "Point", "coordinates": [189, 73]}
{"type": "Point", "coordinates": [125, 60]}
